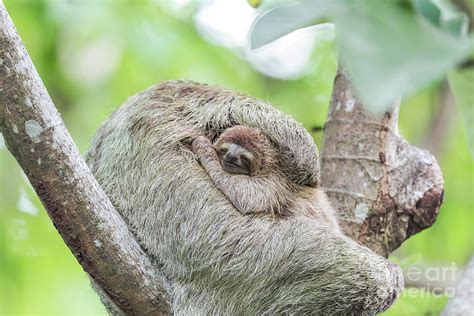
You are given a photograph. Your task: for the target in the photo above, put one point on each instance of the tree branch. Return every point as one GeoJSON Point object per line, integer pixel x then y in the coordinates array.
{"type": "Point", "coordinates": [462, 303]}
{"type": "Point", "coordinates": [384, 189]}
{"type": "Point", "coordinates": [96, 234]}
{"type": "Point", "coordinates": [442, 122]}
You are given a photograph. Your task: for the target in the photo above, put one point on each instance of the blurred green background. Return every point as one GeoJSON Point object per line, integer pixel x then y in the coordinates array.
{"type": "Point", "coordinates": [93, 55]}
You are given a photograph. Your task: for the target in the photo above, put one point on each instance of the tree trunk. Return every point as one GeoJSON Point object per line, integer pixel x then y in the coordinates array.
{"type": "Point", "coordinates": [384, 189]}
{"type": "Point", "coordinates": [96, 234]}
{"type": "Point", "coordinates": [463, 301]}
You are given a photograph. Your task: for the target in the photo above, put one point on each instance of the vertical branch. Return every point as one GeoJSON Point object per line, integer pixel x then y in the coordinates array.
{"type": "Point", "coordinates": [384, 189]}
{"type": "Point", "coordinates": [96, 234]}
{"type": "Point", "coordinates": [463, 301]}
{"type": "Point", "coordinates": [442, 122]}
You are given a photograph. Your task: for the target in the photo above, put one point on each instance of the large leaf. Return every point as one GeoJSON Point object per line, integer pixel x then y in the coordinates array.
{"type": "Point", "coordinates": [443, 15]}
{"type": "Point", "coordinates": [461, 83]}
{"type": "Point", "coordinates": [389, 52]}
{"type": "Point", "coordinates": [290, 17]}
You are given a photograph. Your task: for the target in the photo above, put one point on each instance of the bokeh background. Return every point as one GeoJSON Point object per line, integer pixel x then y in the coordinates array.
{"type": "Point", "coordinates": [92, 55]}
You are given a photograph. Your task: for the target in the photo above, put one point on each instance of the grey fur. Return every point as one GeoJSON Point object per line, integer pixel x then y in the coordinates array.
{"type": "Point", "coordinates": [268, 190]}
{"type": "Point", "coordinates": [216, 260]}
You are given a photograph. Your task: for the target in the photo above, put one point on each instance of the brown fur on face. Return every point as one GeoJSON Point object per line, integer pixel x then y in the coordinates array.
{"type": "Point", "coordinates": [247, 148]}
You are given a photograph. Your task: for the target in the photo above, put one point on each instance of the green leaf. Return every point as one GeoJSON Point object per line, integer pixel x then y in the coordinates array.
{"type": "Point", "coordinates": [254, 3]}
{"type": "Point", "coordinates": [461, 83]}
{"type": "Point", "coordinates": [389, 52]}
{"type": "Point", "coordinates": [443, 15]}
{"type": "Point", "coordinates": [287, 18]}
{"type": "Point", "coordinates": [429, 10]}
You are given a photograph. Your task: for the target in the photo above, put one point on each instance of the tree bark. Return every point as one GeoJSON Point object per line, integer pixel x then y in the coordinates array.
{"type": "Point", "coordinates": [463, 301]}
{"type": "Point", "coordinates": [384, 189]}
{"type": "Point", "coordinates": [96, 234]}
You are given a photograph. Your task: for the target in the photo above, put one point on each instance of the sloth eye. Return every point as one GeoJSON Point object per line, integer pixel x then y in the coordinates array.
{"type": "Point", "coordinates": [245, 161]}
{"type": "Point", "coordinates": [222, 151]}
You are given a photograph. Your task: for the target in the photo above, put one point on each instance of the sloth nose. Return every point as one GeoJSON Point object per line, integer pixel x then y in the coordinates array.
{"type": "Point", "coordinates": [231, 158]}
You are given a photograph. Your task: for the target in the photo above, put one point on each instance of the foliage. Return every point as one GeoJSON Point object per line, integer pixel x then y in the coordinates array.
{"type": "Point", "coordinates": [389, 48]}
{"type": "Point", "coordinates": [461, 83]}
{"type": "Point", "coordinates": [443, 15]}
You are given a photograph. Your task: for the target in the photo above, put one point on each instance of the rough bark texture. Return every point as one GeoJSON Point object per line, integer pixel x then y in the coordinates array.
{"type": "Point", "coordinates": [463, 301]}
{"type": "Point", "coordinates": [36, 136]}
{"type": "Point", "coordinates": [384, 189]}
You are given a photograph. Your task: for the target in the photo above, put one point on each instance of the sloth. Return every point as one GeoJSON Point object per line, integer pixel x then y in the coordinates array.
{"type": "Point", "coordinates": [214, 260]}
{"type": "Point", "coordinates": [245, 166]}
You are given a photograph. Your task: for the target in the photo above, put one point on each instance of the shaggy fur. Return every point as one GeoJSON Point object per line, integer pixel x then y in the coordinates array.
{"type": "Point", "coordinates": [216, 260]}
{"type": "Point", "coordinates": [267, 189]}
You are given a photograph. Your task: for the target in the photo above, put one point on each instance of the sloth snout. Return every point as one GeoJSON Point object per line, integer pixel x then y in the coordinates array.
{"type": "Point", "coordinates": [229, 157]}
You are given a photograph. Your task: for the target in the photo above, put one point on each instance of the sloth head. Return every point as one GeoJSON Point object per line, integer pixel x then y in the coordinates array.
{"type": "Point", "coordinates": [245, 150]}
